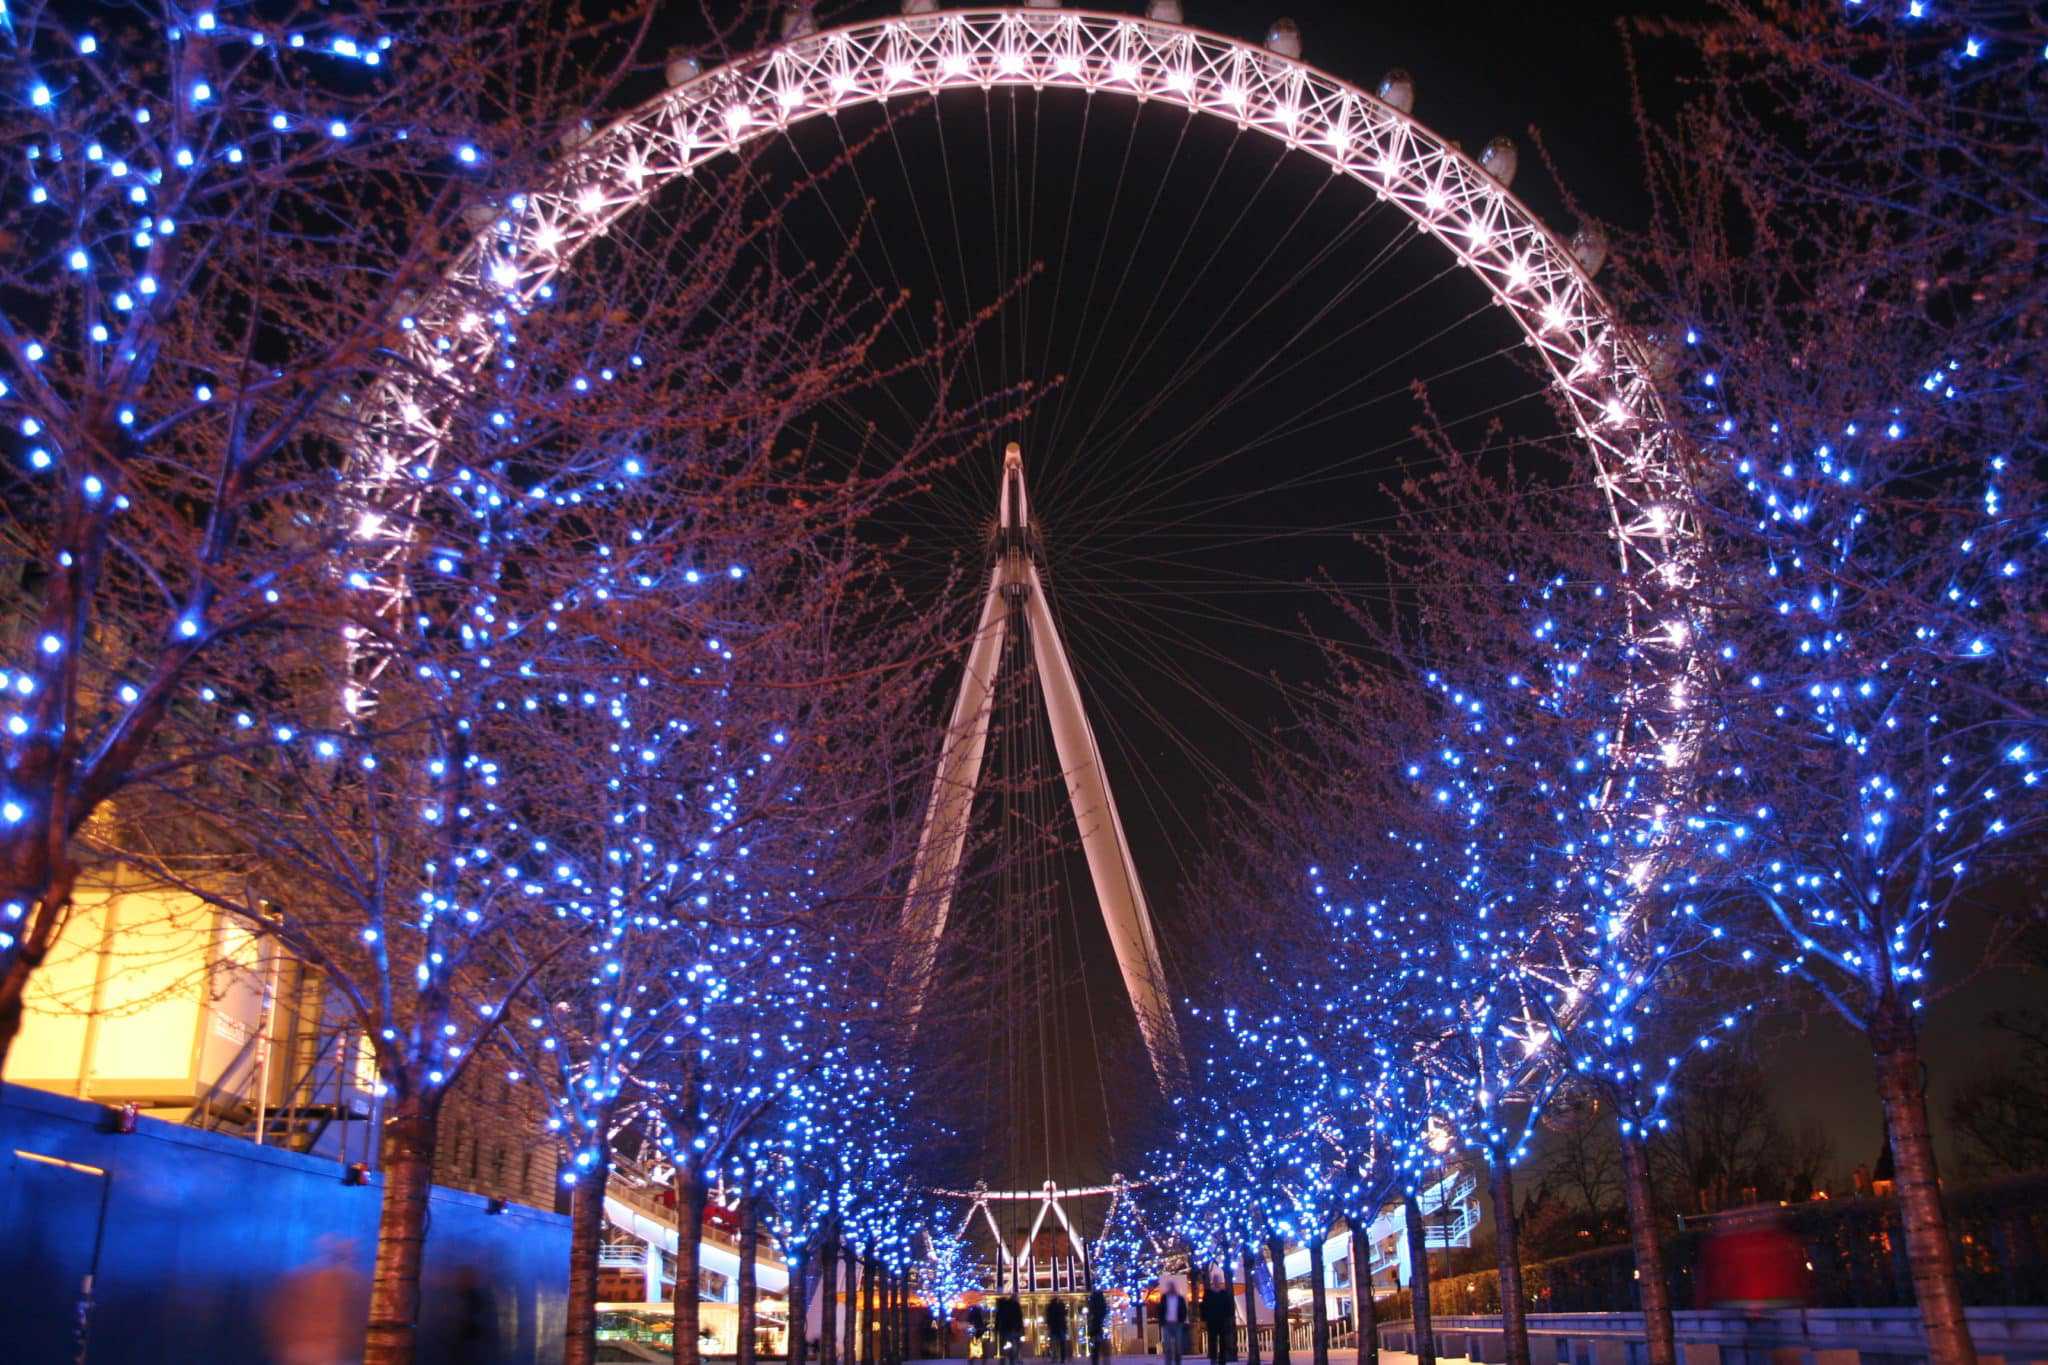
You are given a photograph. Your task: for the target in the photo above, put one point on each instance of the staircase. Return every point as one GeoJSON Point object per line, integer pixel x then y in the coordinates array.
{"type": "Point", "coordinates": [314, 1092]}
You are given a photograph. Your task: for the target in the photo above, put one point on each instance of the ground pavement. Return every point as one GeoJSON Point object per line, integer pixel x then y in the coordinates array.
{"type": "Point", "coordinates": [1301, 1357]}
{"type": "Point", "coordinates": [1345, 1357]}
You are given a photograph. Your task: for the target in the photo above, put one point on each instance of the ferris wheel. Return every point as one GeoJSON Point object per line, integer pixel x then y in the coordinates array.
{"type": "Point", "coordinates": [1008, 124]}
{"type": "Point", "coordinates": [1464, 204]}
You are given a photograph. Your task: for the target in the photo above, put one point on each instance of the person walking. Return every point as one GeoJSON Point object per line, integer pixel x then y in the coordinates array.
{"type": "Point", "coordinates": [1056, 1328]}
{"type": "Point", "coordinates": [1173, 1321]}
{"type": "Point", "coordinates": [315, 1313]}
{"type": "Point", "coordinates": [1219, 1320]}
{"type": "Point", "coordinates": [1009, 1327]}
{"type": "Point", "coordinates": [1098, 1326]}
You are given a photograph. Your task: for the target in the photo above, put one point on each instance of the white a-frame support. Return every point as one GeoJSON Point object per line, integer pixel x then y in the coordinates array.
{"type": "Point", "coordinates": [1015, 579]}
{"type": "Point", "coordinates": [1049, 1198]}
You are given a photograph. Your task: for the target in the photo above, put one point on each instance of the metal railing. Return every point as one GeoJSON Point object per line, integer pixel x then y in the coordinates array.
{"type": "Point", "coordinates": [317, 1093]}
{"type": "Point", "coordinates": [1865, 1334]}
{"type": "Point", "coordinates": [229, 1089]}
{"type": "Point", "coordinates": [1450, 1215]}
{"type": "Point", "coordinates": [1854, 1252]}
{"type": "Point", "coordinates": [632, 1185]}
{"type": "Point", "coordinates": [1456, 1230]}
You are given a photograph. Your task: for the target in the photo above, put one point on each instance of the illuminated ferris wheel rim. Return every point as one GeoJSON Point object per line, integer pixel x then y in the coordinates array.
{"type": "Point", "coordinates": [1599, 371]}
{"type": "Point", "coordinates": [1594, 364]}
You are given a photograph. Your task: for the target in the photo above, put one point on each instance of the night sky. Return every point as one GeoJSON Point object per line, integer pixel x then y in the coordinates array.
{"type": "Point", "coordinates": [1223, 335]}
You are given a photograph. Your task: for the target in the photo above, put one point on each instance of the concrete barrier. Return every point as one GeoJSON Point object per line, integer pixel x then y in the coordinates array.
{"type": "Point", "coordinates": [169, 1242]}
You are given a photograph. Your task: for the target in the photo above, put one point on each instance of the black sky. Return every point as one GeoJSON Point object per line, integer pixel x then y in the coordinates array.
{"type": "Point", "coordinates": [1178, 589]}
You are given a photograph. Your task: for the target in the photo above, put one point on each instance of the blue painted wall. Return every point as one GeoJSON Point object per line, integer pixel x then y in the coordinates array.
{"type": "Point", "coordinates": [195, 1231]}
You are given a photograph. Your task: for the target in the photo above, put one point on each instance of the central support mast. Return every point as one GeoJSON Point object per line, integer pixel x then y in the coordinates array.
{"type": "Point", "coordinates": [1015, 580]}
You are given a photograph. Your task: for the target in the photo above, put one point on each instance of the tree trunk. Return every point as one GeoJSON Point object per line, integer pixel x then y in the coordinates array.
{"type": "Point", "coordinates": [586, 1228]}
{"type": "Point", "coordinates": [749, 1304]}
{"type": "Point", "coordinates": [48, 910]}
{"type": "Point", "coordinates": [401, 1234]}
{"type": "Point", "coordinates": [1418, 1282]}
{"type": "Point", "coordinates": [891, 1350]}
{"type": "Point", "coordinates": [906, 1320]}
{"type": "Point", "coordinates": [892, 1291]}
{"type": "Point", "coordinates": [850, 1346]}
{"type": "Point", "coordinates": [828, 1302]}
{"type": "Point", "coordinates": [868, 1354]}
{"type": "Point", "coordinates": [1363, 1311]}
{"type": "Point", "coordinates": [1929, 1254]}
{"type": "Point", "coordinates": [691, 1195]}
{"type": "Point", "coordinates": [1651, 1283]}
{"type": "Point", "coordinates": [1229, 1280]}
{"type": "Point", "coordinates": [13, 989]}
{"type": "Point", "coordinates": [1507, 1241]}
{"type": "Point", "coordinates": [1318, 1303]}
{"type": "Point", "coordinates": [799, 1306]}
{"type": "Point", "coordinates": [1251, 1306]}
{"type": "Point", "coordinates": [903, 1341]}
{"type": "Point", "coordinates": [885, 1309]}
{"type": "Point", "coordinates": [1282, 1348]}
{"type": "Point", "coordinates": [857, 1352]}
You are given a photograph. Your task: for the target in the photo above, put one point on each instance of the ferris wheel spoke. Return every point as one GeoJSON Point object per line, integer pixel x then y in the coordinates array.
{"type": "Point", "coordinates": [1114, 669]}
{"type": "Point", "coordinates": [1216, 337]}
{"type": "Point", "coordinates": [1175, 474]}
{"type": "Point", "coordinates": [1065, 253]}
{"type": "Point", "coordinates": [1145, 325]}
{"type": "Point", "coordinates": [1199, 757]}
{"type": "Point", "coordinates": [1357, 281]}
{"type": "Point", "coordinates": [1160, 456]}
{"type": "Point", "coordinates": [1150, 337]}
{"type": "Point", "coordinates": [1063, 410]}
{"type": "Point", "coordinates": [1372, 460]}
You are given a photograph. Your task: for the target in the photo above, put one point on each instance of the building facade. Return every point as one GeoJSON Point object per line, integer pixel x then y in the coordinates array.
{"type": "Point", "coordinates": [153, 998]}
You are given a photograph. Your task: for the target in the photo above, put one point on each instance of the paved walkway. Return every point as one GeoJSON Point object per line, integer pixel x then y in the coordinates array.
{"type": "Point", "coordinates": [635, 1351]}
{"type": "Point", "coordinates": [629, 1351]}
{"type": "Point", "coordinates": [1337, 1357]}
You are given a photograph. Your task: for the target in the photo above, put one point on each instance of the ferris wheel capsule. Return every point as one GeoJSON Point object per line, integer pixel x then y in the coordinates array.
{"type": "Point", "coordinates": [1165, 12]}
{"type": "Point", "coordinates": [1284, 39]}
{"type": "Point", "coordinates": [1500, 159]}
{"type": "Point", "coordinates": [1589, 249]}
{"type": "Point", "coordinates": [799, 20]}
{"type": "Point", "coordinates": [1397, 88]}
{"type": "Point", "coordinates": [1660, 353]}
{"type": "Point", "coordinates": [683, 68]}
{"type": "Point", "coordinates": [920, 6]}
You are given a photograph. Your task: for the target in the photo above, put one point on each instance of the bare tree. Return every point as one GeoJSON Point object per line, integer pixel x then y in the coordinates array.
{"type": "Point", "coordinates": [1720, 1145]}
{"type": "Point", "coordinates": [623, 514]}
{"type": "Point", "coordinates": [212, 230]}
{"type": "Point", "coordinates": [1581, 1160]}
{"type": "Point", "coordinates": [2001, 1118]}
{"type": "Point", "coordinates": [1848, 239]}
{"type": "Point", "coordinates": [2001, 1115]}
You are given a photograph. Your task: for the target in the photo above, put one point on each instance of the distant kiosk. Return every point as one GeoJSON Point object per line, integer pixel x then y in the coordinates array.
{"type": "Point", "coordinates": [1016, 601]}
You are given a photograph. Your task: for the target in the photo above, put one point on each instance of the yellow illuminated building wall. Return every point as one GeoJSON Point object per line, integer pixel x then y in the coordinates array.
{"type": "Point", "coordinates": [150, 996]}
